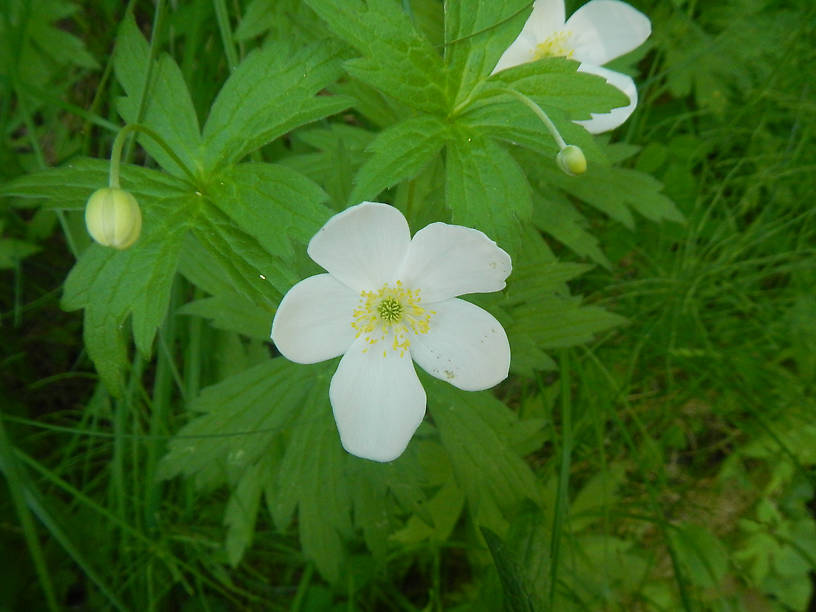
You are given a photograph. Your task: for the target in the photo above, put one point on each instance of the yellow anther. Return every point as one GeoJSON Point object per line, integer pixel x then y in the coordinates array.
{"type": "Point", "coordinates": [554, 46]}
{"type": "Point", "coordinates": [391, 311]}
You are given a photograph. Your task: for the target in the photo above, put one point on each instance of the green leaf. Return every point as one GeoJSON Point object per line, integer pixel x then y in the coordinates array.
{"type": "Point", "coordinates": [232, 312]}
{"type": "Point", "coordinates": [701, 553]}
{"type": "Point", "coordinates": [60, 46]}
{"type": "Point", "coordinates": [252, 270]}
{"type": "Point", "coordinates": [270, 93]}
{"type": "Point", "coordinates": [210, 271]}
{"type": "Point", "coordinates": [242, 510]}
{"type": "Point", "coordinates": [596, 497]}
{"type": "Point", "coordinates": [477, 33]}
{"type": "Point", "coordinates": [312, 477]}
{"type": "Point", "coordinates": [368, 490]}
{"type": "Point", "coordinates": [241, 420]}
{"type": "Point", "coordinates": [68, 187]}
{"type": "Point", "coordinates": [614, 191]}
{"type": "Point", "coordinates": [12, 252]}
{"type": "Point", "coordinates": [399, 153]}
{"type": "Point", "coordinates": [339, 155]}
{"type": "Point", "coordinates": [111, 285]}
{"type": "Point", "coordinates": [397, 60]}
{"type": "Point", "coordinates": [38, 42]}
{"type": "Point", "coordinates": [558, 217]}
{"type": "Point", "coordinates": [555, 321]}
{"type": "Point", "coordinates": [486, 188]}
{"type": "Point", "coordinates": [505, 118]}
{"type": "Point", "coordinates": [273, 204]}
{"type": "Point", "coordinates": [445, 508]}
{"type": "Point", "coordinates": [477, 431]}
{"type": "Point", "coordinates": [380, 110]}
{"type": "Point", "coordinates": [168, 109]}
{"type": "Point", "coordinates": [555, 83]}
{"type": "Point", "coordinates": [258, 17]}
{"type": "Point", "coordinates": [518, 596]}
{"type": "Point", "coordinates": [537, 272]}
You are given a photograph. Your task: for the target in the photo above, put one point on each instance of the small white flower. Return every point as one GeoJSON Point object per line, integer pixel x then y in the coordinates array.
{"type": "Point", "coordinates": [389, 300]}
{"type": "Point", "coordinates": [595, 34]}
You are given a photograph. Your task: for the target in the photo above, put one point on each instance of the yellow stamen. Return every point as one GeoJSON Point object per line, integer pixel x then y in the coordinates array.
{"type": "Point", "coordinates": [554, 46]}
{"type": "Point", "coordinates": [393, 311]}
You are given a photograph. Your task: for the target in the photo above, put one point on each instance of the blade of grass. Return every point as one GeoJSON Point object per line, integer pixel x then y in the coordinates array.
{"type": "Point", "coordinates": [14, 478]}
{"type": "Point", "coordinates": [561, 509]}
{"type": "Point", "coordinates": [222, 16]}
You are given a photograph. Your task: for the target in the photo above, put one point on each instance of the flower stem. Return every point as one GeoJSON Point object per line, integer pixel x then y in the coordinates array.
{"type": "Point", "coordinates": [222, 16]}
{"type": "Point", "coordinates": [545, 119]}
{"type": "Point", "coordinates": [570, 158]}
{"type": "Point", "coordinates": [119, 143]}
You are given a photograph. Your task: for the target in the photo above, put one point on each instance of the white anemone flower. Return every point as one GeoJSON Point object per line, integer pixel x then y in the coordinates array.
{"type": "Point", "coordinates": [389, 300]}
{"type": "Point", "coordinates": [595, 34]}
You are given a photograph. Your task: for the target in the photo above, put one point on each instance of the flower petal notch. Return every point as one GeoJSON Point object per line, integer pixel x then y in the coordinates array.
{"type": "Point", "coordinates": [595, 34]}
{"type": "Point", "coordinates": [387, 301]}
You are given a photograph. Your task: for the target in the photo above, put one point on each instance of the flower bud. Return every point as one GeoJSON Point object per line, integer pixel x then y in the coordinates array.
{"type": "Point", "coordinates": [113, 218]}
{"type": "Point", "coordinates": [571, 160]}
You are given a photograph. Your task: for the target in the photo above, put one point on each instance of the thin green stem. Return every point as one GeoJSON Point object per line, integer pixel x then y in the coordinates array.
{"type": "Point", "coordinates": [563, 477]}
{"type": "Point", "coordinates": [193, 352]}
{"type": "Point", "coordinates": [303, 587]}
{"type": "Point", "coordinates": [545, 119]}
{"type": "Point", "coordinates": [222, 16]}
{"type": "Point", "coordinates": [159, 410]}
{"type": "Point", "coordinates": [158, 20]}
{"type": "Point", "coordinates": [18, 294]}
{"type": "Point", "coordinates": [119, 143]}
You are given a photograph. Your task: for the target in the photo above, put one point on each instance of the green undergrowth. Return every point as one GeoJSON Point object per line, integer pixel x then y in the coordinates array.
{"type": "Point", "coordinates": [655, 446]}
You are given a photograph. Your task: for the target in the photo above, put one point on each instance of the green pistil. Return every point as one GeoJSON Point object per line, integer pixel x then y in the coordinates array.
{"type": "Point", "coordinates": [390, 310]}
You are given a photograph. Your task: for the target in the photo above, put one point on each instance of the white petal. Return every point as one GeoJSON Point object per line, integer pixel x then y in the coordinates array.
{"type": "Point", "coordinates": [449, 260]}
{"type": "Point", "coordinates": [521, 51]}
{"type": "Point", "coordinates": [465, 346]}
{"type": "Point", "coordinates": [378, 402]}
{"type": "Point", "coordinates": [313, 321]}
{"type": "Point", "coordinates": [363, 246]}
{"type": "Point", "coordinates": [603, 122]}
{"type": "Point", "coordinates": [605, 29]}
{"type": "Point", "coordinates": [547, 17]}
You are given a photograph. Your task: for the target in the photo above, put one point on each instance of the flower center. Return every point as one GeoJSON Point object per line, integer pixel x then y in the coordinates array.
{"type": "Point", "coordinates": [554, 46]}
{"type": "Point", "coordinates": [390, 313]}
{"type": "Point", "coordinates": [390, 310]}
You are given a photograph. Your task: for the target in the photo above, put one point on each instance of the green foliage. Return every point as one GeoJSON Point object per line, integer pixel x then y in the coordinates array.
{"type": "Point", "coordinates": [518, 595]}
{"type": "Point", "coordinates": [480, 435]}
{"type": "Point", "coordinates": [169, 459]}
{"type": "Point", "coordinates": [398, 153]}
{"type": "Point", "coordinates": [312, 478]}
{"type": "Point", "coordinates": [554, 83]}
{"type": "Point", "coordinates": [167, 110]}
{"type": "Point", "coordinates": [270, 93]}
{"type": "Point", "coordinates": [396, 59]}
{"type": "Point", "coordinates": [476, 35]}
{"type": "Point", "coordinates": [484, 187]}
{"type": "Point", "coordinates": [228, 211]}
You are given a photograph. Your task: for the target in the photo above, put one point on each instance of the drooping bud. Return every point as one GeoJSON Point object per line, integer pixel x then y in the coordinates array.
{"type": "Point", "coordinates": [113, 218]}
{"type": "Point", "coordinates": [571, 160]}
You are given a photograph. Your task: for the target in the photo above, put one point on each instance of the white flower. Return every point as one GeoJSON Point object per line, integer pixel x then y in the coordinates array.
{"type": "Point", "coordinates": [389, 299]}
{"type": "Point", "coordinates": [595, 34]}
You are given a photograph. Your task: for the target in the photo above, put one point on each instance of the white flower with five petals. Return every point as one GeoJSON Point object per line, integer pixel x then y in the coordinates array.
{"type": "Point", "coordinates": [389, 300]}
{"type": "Point", "coordinates": [595, 34]}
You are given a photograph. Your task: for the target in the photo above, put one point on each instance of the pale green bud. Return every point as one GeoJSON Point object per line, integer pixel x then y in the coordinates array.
{"type": "Point", "coordinates": [571, 160]}
{"type": "Point", "coordinates": [113, 218]}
